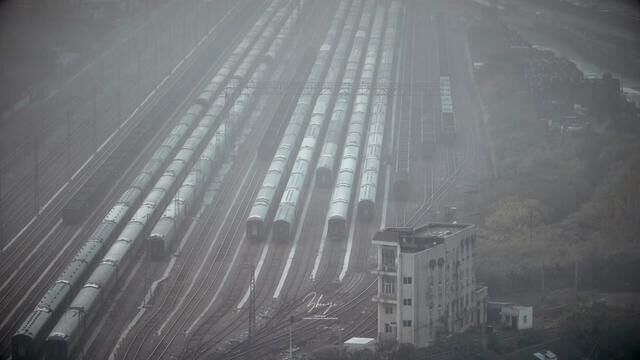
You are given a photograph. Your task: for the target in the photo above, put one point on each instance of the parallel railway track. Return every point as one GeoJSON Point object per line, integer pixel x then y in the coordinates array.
{"type": "Point", "coordinates": [195, 329]}
{"type": "Point", "coordinates": [66, 236]}
{"type": "Point", "coordinates": [231, 239]}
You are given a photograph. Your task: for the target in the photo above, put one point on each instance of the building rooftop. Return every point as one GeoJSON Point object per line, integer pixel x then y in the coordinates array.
{"type": "Point", "coordinates": [360, 341]}
{"type": "Point", "coordinates": [420, 238]}
{"type": "Point", "coordinates": [517, 307]}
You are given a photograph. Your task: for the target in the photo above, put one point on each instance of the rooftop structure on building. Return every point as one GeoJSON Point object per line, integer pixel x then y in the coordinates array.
{"type": "Point", "coordinates": [360, 343]}
{"type": "Point", "coordinates": [426, 283]}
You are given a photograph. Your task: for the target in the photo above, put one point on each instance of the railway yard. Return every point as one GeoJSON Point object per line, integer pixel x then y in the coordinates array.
{"type": "Point", "coordinates": [218, 193]}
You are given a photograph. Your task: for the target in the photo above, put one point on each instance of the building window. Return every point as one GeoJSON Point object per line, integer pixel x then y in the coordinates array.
{"type": "Point", "coordinates": [388, 309]}
{"type": "Point", "coordinates": [524, 319]}
{"type": "Point", "coordinates": [388, 257]}
{"type": "Point", "coordinates": [389, 286]}
{"type": "Point", "coordinates": [407, 280]}
{"type": "Point", "coordinates": [406, 302]}
{"type": "Point", "coordinates": [387, 328]}
{"type": "Point", "coordinates": [406, 323]}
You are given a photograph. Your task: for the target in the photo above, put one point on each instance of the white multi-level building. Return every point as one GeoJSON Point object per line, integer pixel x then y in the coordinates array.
{"type": "Point", "coordinates": [426, 283]}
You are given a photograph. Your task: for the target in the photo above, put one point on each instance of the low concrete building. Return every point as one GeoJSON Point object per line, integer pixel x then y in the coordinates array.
{"type": "Point", "coordinates": [426, 283]}
{"type": "Point", "coordinates": [517, 317]}
{"type": "Point", "coordinates": [358, 343]}
{"type": "Point", "coordinates": [494, 311]}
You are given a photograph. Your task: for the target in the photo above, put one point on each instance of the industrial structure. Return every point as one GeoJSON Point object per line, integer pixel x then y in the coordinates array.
{"type": "Point", "coordinates": [426, 283]}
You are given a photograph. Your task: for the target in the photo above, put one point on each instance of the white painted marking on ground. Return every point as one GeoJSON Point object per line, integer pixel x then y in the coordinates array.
{"type": "Point", "coordinates": [316, 266]}
{"type": "Point", "coordinates": [209, 250]}
{"type": "Point", "coordinates": [35, 283]}
{"type": "Point", "coordinates": [46, 205]}
{"type": "Point", "coordinates": [20, 233]}
{"type": "Point", "coordinates": [347, 254]}
{"type": "Point", "coordinates": [80, 169]}
{"type": "Point", "coordinates": [265, 249]}
{"type": "Point", "coordinates": [26, 260]}
{"type": "Point", "coordinates": [292, 252]}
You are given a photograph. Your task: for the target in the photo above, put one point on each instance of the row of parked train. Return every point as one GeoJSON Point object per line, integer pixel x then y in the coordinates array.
{"type": "Point", "coordinates": [359, 48]}
{"type": "Point", "coordinates": [159, 199]}
{"type": "Point", "coordinates": [447, 119]}
{"type": "Point", "coordinates": [437, 123]}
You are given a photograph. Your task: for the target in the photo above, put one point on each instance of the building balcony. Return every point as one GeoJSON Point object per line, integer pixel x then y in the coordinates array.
{"type": "Point", "coordinates": [388, 270]}
{"type": "Point", "coordinates": [385, 299]}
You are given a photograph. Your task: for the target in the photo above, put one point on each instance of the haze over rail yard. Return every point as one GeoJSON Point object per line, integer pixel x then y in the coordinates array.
{"type": "Point", "coordinates": [340, 179]}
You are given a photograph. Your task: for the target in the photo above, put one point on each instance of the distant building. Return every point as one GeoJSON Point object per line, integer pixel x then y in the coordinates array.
{"type": "Point", "coordinates": [426, 283]}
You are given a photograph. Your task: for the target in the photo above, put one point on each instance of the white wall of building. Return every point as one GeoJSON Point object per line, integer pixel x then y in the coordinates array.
{"type": "Point", "coordinates": [435, 289]}
{"type": "Point", "coordinates": [517, 317]}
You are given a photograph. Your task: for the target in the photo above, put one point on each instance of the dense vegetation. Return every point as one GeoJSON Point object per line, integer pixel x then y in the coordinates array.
{"type": "Point", "coordinates": [600, 332]}
{"type": "Point", "coordinates": [557, 201]}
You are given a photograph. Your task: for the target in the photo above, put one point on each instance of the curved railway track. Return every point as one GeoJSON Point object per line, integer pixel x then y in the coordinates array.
{"type": "Point", "coordinates": [72, 122]}
{"type": "Point", "coordinates": [67, 236]}
{"type": "Point", "coordinates": [274, 334]}
{"type": "Point", "coordinates": [230, 313]}
{"type": "Point", "coordinates": [230, 304]}
{"type": "Point", "coordinates": [219, 263]}
{"type": "Point", "coordinates": [214, 272]}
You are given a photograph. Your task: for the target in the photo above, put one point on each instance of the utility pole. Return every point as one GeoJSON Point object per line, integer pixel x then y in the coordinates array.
{"type": "Point", "coordinates": [36, 200]}
{"type": "Point", "coordinates": [1, 202]}
{"type": "Point", "coordinates": [156, 61]}
{"type": "Point", "coordinates": [542, 299]}
{"type": "Point", "coordinates": [145, 264]}
{"type": "Point", "coordinates": [184, 30]}
{"type": "Point", "coordinates": [138, 75]}
{"type": "Point", "coordinates": [252, 312]}
{"type": "Point", "coordinates": [542, 277]}
{"type": "Point", "coordinates": [575, 277]}
{"type": "Point", "coordinates": [530, 226]}
{"type": "Point", "coordinates": [169, 41]}
{"type": "Point", "coordinates": [94, 125]}
{"type": "Point", "coordinates": [291, 320]}
{"type": "Point", "coordinates": [118, 94]}
{"type": "Point", "coordinates": [69, 167]}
